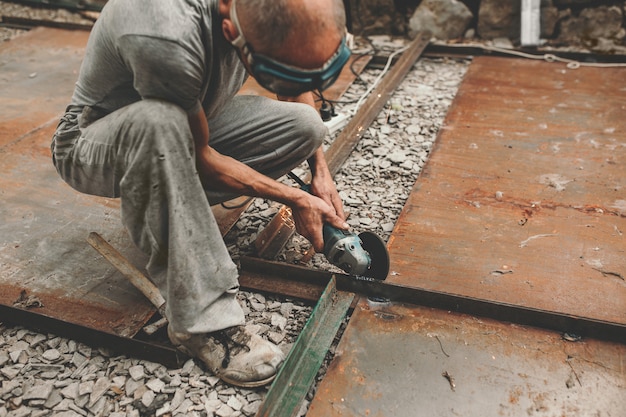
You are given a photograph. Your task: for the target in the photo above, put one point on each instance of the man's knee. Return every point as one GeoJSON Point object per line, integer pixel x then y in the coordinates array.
{"type": "Point", "coordinates": [158, 118]}
{"type": "Point", "coordinates": [310, 129]}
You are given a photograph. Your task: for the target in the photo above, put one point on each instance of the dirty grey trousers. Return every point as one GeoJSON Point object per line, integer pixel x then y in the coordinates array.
{"type": "Point", "coordinates": [144, 154]}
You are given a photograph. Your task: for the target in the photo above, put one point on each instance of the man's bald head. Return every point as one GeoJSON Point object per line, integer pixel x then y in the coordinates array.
{"type": "Point", "coordinates": [302, 33]}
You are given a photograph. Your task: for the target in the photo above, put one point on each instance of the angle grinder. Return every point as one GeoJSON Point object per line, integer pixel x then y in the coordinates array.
{"type": "Point", "coordinates": [363, 255]}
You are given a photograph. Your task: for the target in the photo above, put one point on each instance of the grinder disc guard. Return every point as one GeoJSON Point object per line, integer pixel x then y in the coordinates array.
{"type": "Point", "coordinates": [377, 249]}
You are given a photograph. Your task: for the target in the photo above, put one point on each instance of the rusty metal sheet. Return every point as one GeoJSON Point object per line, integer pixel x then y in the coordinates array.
{"type": "Point", "coordinates": [43, 223]}
{"type": "Point", "coordinates": [402, 361]}
{"type": "Point", "coordinates": [38, 70]}
{"type": "Point", "coordinates": [523, 200]}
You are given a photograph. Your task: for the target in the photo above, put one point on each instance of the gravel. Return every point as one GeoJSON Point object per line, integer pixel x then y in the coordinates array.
{"type": "Point", "coordinates": [45, 375]}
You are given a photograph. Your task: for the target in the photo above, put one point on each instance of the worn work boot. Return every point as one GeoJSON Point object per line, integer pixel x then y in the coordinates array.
{"type": "Point", "coordinates": [234, 355]}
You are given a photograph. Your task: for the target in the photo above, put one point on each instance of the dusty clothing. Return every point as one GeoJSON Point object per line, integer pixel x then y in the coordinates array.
{"type": "Point", "coordinates": [148, 64]}
{"type": "Point", "coordinates": [168, 49]}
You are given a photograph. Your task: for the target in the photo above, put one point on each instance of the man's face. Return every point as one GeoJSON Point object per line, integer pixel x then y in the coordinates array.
{"type": "Point", "coordinates": [283, 79]}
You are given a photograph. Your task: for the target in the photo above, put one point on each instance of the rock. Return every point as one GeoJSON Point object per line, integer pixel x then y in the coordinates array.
{"type": "Point", "coordinates": [444, 19]}
{"type": "Point", "coordinates": [147, 398]}
{"type": "Point", "coordinates": [101, 386]}
{"type": "Point", "coordinates": [40, 391]}
{"type": "Point", "coordinates": [234, 403]}
{"type": "Point", "coordinates": [608, 46]}
{"type": "Point", "coordinates": [77, 359]}
{"type": "Point", "coordinates": [503, 43]}
{"type": "Point", "coordinates": [275, 337]}
{"type": "Point", "coordinates": [279, 321]}
{"type": "Point", "coordinates": [397, 157]}
{"type": "Point", "coordinates": [68, 413]}
{"type": "Point", "coordinates": [70, 391]}
{"type": "Point", "coordinates": [376, 17]}
{"type": "Point", "coordinates": [131, 386]}
{"type": "Point", "coordinates": [54, 398]}
{"type": "Point", "coordinates": [155, 385]}
{"type": "Point", "coordinates": [51, 355]}
{"type": "Point", "coordinates": [590, 25]}
{"type": "Point", "coordinates": [136, 372]}
{"type": "Point", "coordinates": [85, 388]}
{"type": "Point", "coordinates": [224, 411]}
{"type": "Point", "coordinates": [178, 398]}
{"type": "Point", "coordinates": [499, 19]}
{"type": "Point", "coordinates": [286, 308]}
{"type": "Point", "coordinates": [4, 358]}
{"type": "Point", "coordinates": [549, 20]}
{"type": "Point", "coordinates": [10, 372]}
{"type": "Point", "coordinates": [250, 409]}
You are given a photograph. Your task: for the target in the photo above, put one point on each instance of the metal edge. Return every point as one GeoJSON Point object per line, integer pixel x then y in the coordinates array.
{"type": "Point", "coordinates": [581, 326]}
{"type": "Point", "coordinates": [294, 379]}
{"type": "Point", "coordinates": [153, 352]}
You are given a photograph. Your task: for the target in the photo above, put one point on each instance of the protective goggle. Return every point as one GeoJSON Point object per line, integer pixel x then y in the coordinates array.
{"type": "Point", "coordinates": [285, 79]}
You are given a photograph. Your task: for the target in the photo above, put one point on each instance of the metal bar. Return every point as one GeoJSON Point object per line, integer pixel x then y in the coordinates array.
{"type": "Point", "coordinates": [297, 374]}
{"type": "Point", "coordinates": [31, 23]}
{"type": "Point", "coordinates": [296, 273]}
{"type": "Point", "coordinates": [228, 213]}
{"type": "Point", "coordinates": [279, 278]}
{"type": "Point", "coordinates": [281, 228]}
{"type": "Point", "coordinates": [581, 326]}
{"type": "Point", "coordinates": [340, 149]}
{"type": "Point", "coordinates": [160, 353]}
{"type": "Point", "coordinates": [372, 288]}
{"type": "Point", "coordinates": [271, 240]}
{"type": "Point", "coordinates": [94, 5]}
{"type": "Point", "coordinates": [469, 50]}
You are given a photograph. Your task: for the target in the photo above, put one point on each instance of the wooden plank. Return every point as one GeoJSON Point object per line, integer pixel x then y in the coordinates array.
{"type": "Point", "coordinates": [522, 200]}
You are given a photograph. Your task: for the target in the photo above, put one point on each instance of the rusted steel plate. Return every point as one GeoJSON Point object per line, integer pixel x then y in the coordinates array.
{"type": "Point", "coordinates": [44, 225]}
{"type": "Point", "coordinates": [403, 361]}
{"type": "Point", "coordinates": [522, 200]}
{"type": "Point", "coordinates": [38, 72]}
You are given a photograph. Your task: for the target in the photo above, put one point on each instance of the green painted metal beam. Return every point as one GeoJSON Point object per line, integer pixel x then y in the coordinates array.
{"type": "Point", "coordinates": [284, 399]}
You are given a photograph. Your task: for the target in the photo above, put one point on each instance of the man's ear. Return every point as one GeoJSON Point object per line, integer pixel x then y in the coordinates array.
{"type": "Point", "coordinates": [229, 29]}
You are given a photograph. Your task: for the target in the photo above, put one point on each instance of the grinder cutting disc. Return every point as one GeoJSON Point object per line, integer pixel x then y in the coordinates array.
{"type": "Point", "coordinates": [374, 245]}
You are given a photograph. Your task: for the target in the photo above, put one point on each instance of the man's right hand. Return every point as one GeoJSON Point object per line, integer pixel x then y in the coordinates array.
{"type": "Point", "coordinates": [310, 213]}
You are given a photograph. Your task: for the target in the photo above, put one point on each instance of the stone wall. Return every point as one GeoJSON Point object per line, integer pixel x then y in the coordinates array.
{"type": "Point", "coordinates": [597, 25]}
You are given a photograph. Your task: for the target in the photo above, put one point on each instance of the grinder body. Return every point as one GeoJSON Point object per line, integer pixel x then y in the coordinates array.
{"type": "Point", "coordinates": [344, 250]}
{"type": "Point", "coordinates": [364, 255]}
